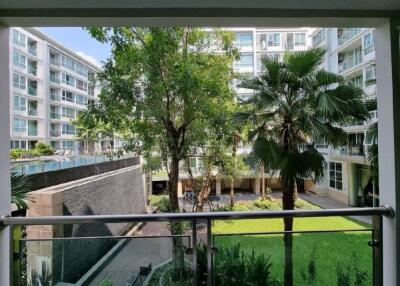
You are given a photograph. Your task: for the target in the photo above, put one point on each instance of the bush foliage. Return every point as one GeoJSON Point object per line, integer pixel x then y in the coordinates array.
{"type": "Point", "coordinates": [161, 202]}
{"type": "Point", "coordinates": [41, 149]}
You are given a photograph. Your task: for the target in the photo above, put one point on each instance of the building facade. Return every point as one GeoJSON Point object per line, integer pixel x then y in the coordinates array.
{"type": "Point", "coordinates": [50, 86]}
{"type": "Point", "coordinates": [350, 53]}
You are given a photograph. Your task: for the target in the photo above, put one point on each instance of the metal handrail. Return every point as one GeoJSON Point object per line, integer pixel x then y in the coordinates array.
{"type": "Point", "coordinates": [90, 219]}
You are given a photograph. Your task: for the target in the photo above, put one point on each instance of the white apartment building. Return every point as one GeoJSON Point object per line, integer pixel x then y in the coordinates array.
{"type": "Point", "coordinates": [50, 86]}
{"type": "Point", "coordinates": [351, 53]}
{"type": "Point", "coordinates": [256, 43]}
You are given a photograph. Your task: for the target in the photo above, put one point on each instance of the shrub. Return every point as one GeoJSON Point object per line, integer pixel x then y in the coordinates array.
{"type": "Point", "coordinates": [18, 153]}
{"type": "Point", "coordinates": [268, 204]}
{"type": "Point", "coordinates": [302, 204]}
{"type": "Point", "coordinates": [44, 149]}
{"type": "Point", "coordinates": [161, 202]}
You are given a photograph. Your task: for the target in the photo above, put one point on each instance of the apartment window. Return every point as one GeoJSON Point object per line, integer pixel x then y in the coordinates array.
{"type": "Point", "coordinates": [370, 75]}
{"type": "Point", "coordinates": [335, 176]}
{"type": "Point", "coordinates": [19, 81]}
{"type": "Point", "coordinates": [90, 75]}
{"type": "Point", "coordinates": [68, 112]}
{"type": "Point", "coordinates": [368, 43]}
{"type": "Point", "coordinates": [19, 38]}
{"type": "Point", "coordinates": [81, 85]}
{"type": "Point", "coordinates": [80, 99]}
{"type": "Point", "coordinates": [19, 103]}
{"type": "Point", "coordinates": [274, 40]}
{"type": "Point", "coordinates": [68, 63]}
{"type": "Point", "coordinates": [244, 40]}
{"type": "Point", "coordinates": [17, 144]}
{"type": "Point", "coordinates": [68, 145]}
{"type": "Point", "coordinates": [91, 90]}
{"type": "Point", "coordinates": [68, 79]}
{"type": "Point", "coordinates": [246, 60]}
{"type": "Point", "coordinates": [68, 129]}
{"type": "Point", "coordinates": [81, 69]}
{"type": "Point", "coordinates": [19, 125]}
{"type": "Point", "coordinates": [68, 96]}
{"type": "Point", "coordinates": [299, 39]}
{"type": "Point", "coordinates": [19, 60]}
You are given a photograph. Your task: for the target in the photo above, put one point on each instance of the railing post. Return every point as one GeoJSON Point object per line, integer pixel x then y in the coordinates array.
{"type": "Point", "coordinates": [376, 243]}
{"type": "Point", "coordinates": [194, 251]}
{"type": "Point", "coordinates": [11, 270]}
{"type": "Point", "coordinates": [209, 254]}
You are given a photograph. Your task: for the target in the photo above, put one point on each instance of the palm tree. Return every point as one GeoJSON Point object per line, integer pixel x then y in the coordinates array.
{"type": "Point", "coordinates": [296, 104]}
{"type": "Point", "coordinates": [372, 135]}
{"type": "Point", "coordinates": [20, 187]}
{"type": "Point", "coordinates": [236, 138]}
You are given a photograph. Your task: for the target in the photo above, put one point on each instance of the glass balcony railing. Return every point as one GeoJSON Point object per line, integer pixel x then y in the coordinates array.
{"type": "Point", "coordinates": [204, 252]}
{"type": "Point", "coordinates": [54, 62]}
{"type": "Point", "coordinates": [347, 35]}
{"type": "Point", "coordinates": [32, 90]}
{"type": "Point", "coordinates": [32, 132]}
{"type": "Point", "coordinates": [55, 133]}
{"type": "Point", "coordinates": [54, 97]}
{"type": "Point", "coordinates": [32, 70]}
{"type": "Point", "coordinates": [32, 112]}
{"type": "Point", "coordinates": [350, 61]}
{"type": "Point", "coordinates": [350, 150]}
{"type": "Point", "coordinates": [32, 50]}
{"type": "Point", "coordinates": [54, 79]}
{"type": "Point", "coordinates": [55, 115]}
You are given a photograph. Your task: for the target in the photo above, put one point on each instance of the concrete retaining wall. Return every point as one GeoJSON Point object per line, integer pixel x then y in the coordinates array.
{"type": "Point", "coordinates": [117, 192]}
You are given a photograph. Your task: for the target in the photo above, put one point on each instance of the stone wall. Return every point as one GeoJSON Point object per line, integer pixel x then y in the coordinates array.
{"type": "Point", "coordinates": [116, 192]}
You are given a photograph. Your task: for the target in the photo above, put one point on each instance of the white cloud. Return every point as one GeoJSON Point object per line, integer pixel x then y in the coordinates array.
{"type": "Point", "coordinates": [89, 58]}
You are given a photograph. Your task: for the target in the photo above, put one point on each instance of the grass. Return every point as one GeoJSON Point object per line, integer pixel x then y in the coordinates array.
{"type": "Point", "coordinates": [329, 248]}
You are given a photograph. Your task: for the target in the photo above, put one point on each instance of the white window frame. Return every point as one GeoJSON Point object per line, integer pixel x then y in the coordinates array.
{"type": "Point", "coordinates": [334, 175]}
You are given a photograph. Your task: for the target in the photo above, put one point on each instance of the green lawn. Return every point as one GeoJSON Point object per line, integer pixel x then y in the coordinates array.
{"type": "Point", "coordinates": [330, 249]}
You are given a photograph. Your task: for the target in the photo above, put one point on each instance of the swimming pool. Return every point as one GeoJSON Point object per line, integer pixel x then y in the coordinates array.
{"type": "Point", "coordinates": [39, 166]}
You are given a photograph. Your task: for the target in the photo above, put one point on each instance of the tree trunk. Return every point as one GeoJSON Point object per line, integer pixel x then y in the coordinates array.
{"type": "Point", "coordinates": [288, 204]}
{"type": "Point", "coordinates": [204, 191]}
{"type": "Point", "coordinates": [232, 194]}
{"type": "Point", "coordinates": [262, 170]}
{"type": "Point", "coordinates": [176, 226]}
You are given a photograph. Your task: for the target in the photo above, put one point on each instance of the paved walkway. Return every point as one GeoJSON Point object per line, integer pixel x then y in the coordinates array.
{"type": "Point", "coordinates": [326, 202]}
{"type": "Point", "coordinates": [137, 252]}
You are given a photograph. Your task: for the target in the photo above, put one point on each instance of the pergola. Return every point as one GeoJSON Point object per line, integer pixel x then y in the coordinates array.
{"type": "Point", "coordinates": [384, 15]}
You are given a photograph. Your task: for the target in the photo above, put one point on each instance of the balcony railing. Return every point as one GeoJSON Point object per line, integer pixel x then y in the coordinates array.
{"type": "Point", "coordinates": [200, 261]}
{"type": "Point", "coordinates": [54, 79]}
{"type": "Point", "coordinates": [55, 133]}
{"type": "Point", "coordinates": [54, 97]}
{"type": "Point", "coordinates": [347, 35]}
{"type": "Point", "coordinates": [32, 112]}
{"type": "Point", "coordinates": [350, 150]}
{"type": "Point", "coordinates": [350, 61]}
{"type": "Point", "coordinates": [32, 132]}
{"type": "Point", "coordinates": [32, 90]}
{"type": "Point", "coordinates": [54, 115]}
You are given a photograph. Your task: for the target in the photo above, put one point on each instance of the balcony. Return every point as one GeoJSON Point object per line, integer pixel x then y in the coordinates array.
{"type": "Point", "coordinates": [55, 115]}
{"type": "Point", "coordinates": [55, 79]}
{"type": "Point", "coordinates": [55, 133]}
{"type": "Point", "coordinates": [54, 97]}
{"type": "Point", "coordinates": [32, 90]}
{"type": "Point", "coordinates": [350, 61]}
{"type": "Point", "coordinates": [204, 254]}
{"type": "Point", "coordinates": [54, 62]}
{"type": "Point", "coordinates": [32, 132]}
{"type": "Point", "coordinates": [32, 112]}
{"type": "Point", "coordinates": [347, 34]}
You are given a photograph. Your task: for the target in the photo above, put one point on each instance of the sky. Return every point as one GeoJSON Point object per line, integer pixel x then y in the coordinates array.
{"type": "Point", "coordinates": [79, 40]}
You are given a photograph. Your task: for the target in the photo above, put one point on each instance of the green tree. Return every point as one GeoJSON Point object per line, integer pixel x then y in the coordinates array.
{"type": "Point", "coordinates": [296, 104]}
{"type": "Point", "coordinates": [180, 82]}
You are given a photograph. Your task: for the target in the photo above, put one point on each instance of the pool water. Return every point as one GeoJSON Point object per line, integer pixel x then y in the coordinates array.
{"type": "Point", "coordinates": [39, 166]}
